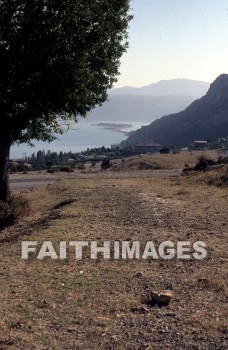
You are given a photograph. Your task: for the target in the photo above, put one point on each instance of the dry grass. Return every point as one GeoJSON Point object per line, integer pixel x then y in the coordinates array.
{"type": "Point", "coordinates": [13, 211]}
{"type": "Point", "coordinates": [97, 304]}
{"type": "Point", "coordinates": [178, 161]}
{"type": "Point", "coordinates": [162, 161]}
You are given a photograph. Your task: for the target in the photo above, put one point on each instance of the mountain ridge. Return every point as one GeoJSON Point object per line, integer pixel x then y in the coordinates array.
{"type": "Point", "coordinates": [146, 104]}
{"type": "Point", "coordinates": [205, 118]}
{"type": "Point", "coordinates": [181, 86]}
{"type": "Point", "coordinates": [131, 108]}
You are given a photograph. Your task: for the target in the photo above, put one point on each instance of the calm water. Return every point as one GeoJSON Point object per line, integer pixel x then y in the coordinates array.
{"type": "Point", "coordinates": [85, 135]}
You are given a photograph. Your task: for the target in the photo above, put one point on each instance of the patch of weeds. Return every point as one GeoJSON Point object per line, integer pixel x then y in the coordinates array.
{"type": "Point", "coordinates": [222, 328]}
{"type": "Point", "coordinates": [51, 171]}
{"type": "Point", "coordinates": [219, 180]}
{"type": "Point", "coordinates": [222, 160]}
{"type": "Point", "coordinates": [81, 166]}
{"type": "Point", "coordinates": [219, 326]}
{"type": "Point", "coordinates": [14, 210]}
{"type": "Point", "coordinates": [202, 164]}
{"type": "Point", "coordinates": [214, 283]}
{"type": "Point", "coordinates": [66, 169]}
{"type": "Point", "coordinates": [143, 165]}
{"type": "Point", "coordinates": [182, 192]}
{"type": "Point", "coordinates": [64, 203]}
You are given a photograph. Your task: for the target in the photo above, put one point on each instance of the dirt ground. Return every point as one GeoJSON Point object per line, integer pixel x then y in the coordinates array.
{"type": "Point", "coordinates": [101, 303]}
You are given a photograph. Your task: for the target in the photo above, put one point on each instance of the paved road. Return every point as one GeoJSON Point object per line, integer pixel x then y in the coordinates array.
{"type": "Point", "coordinates": [22, 184]}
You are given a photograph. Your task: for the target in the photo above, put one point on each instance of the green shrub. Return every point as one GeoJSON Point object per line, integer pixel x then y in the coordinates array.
{"type": "Point", "coordinates": [12, 211]}
{"type": "Point", "coordinates": [81, 166]}
{"type": "Point", "coordinates": [51, 171]}
{"type": "Point", "coordinates": [222, 160]}
{"type": "Point", "coordinates": [204, 162]}
{"type": "Point", "coordinates": [18, 167]}
{"type": "Point", "coordinates": [105, 164]}
{"type": "Point", "coordinates": [66, 169]}
{"type": "Point", "coordinates": [219, 180]}
{"type": "Point", "coordinates": [23, 167]}
{"type": "Point", "coordinates": [164, 150]}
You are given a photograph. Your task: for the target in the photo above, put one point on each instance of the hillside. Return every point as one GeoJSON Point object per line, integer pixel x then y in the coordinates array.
{"type": "Point", "coordinates": [133, 108]}
{"type": "Point", "coordinates": [206, 118]}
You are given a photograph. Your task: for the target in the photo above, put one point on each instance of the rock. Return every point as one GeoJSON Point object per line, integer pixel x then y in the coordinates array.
{"type": "Point", "coordinates": [164, 298]}
{"type": "Point", "coordinates": [203, 280]}
{"type": "Point", "coordinates": [159, 299]}
{"type": "Point", "coordinates": [138, 274]}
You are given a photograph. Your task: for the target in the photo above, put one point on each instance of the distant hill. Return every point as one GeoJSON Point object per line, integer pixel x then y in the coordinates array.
{"type": "Point", "coordinates": [139, 108]}
{"type": "Point", "coordinates": [148, 103]}
{"type": "Point", "coordinates": [184, 87]}
{"type": "Point", "coordinates": [206, 118]}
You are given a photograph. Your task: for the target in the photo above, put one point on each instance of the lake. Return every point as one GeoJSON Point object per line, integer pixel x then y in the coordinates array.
{"type": "Point", "coordinates": [85, 134]}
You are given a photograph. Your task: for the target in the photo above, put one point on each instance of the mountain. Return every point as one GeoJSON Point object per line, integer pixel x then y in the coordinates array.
{"type": "Point", "coordinates": [148, 103]}
{"type": "Point", "coordinates": [136, 108]}
{"type": "Point", "coordinates": [184, 87]}
{"type": "Point", "coordinates": [206, 118]}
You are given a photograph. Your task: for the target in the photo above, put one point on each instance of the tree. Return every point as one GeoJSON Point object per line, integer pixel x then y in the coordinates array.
{"type": "Point", "coordinates": [105, 164]}
{"type": "Point", "coordinates": [58, 58]}
{"type": "Point", "coordinates": [164, 150]}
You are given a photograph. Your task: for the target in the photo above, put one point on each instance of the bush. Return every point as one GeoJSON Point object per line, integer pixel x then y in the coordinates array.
{"type": "Point", "coordinates": [222, 160]}
{"type": "Point", "coordinates": [18, 167]}
{"type": "Point", "coordinates": [66, 169]}
{"type": "Point", "coordinates": [164, 150]}
{"type": "Point", "coordinates": [204, 162]}
{"type": "Point", "coordinates": [81, 166]}
{"type": "Point", "coordinates": [23, 167]}
{"type": "Point", "coordinates": [12, 211]}
{"type": "Point", "coordinates": [51, 171]}
{"type": "Point", "coordinates": [105, 164]}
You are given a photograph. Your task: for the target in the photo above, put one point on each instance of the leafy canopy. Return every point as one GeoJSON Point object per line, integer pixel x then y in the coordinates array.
{"type": "Point", "coordinates": [58, 58]}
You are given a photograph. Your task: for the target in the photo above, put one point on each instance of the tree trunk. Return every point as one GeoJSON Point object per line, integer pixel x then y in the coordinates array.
{"type": "Point", "coordinates": [4, 170]}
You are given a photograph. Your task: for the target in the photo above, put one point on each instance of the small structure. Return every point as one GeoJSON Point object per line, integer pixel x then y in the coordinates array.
{"type": "Point", "coordinates": [142, 148]}
{"type": "Point", "coordinates": [200, 144]}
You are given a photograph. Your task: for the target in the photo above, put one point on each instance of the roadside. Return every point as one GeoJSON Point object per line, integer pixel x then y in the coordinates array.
{"type": "Point", "coordinates": [141, 166]}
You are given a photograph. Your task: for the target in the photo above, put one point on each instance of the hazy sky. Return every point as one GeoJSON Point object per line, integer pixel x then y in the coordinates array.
{"type": "Point", "coordinates": [172, 39]}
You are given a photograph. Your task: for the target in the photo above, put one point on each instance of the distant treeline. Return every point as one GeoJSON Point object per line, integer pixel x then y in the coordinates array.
{"type": "Point", "coordinates": [50, 158]}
